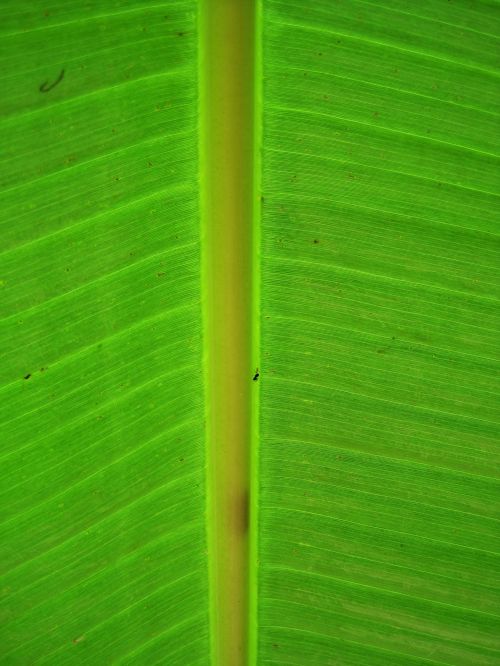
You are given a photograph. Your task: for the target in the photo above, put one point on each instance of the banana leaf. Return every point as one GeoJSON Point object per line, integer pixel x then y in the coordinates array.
{"type": "Point", "coordinates": [375, 491]}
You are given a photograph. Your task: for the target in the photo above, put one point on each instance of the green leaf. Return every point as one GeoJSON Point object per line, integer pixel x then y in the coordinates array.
{"type": "Point", "coordinates": [161, 358]}
{"type": "Point", "coordinates": [103, 544]}
{"type": "Point", "coordinates": [379, 399]}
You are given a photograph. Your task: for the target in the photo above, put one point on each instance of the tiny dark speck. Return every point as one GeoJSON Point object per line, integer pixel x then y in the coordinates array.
{"type": "Point", "coordinates": [256, 376]}
{"type": "Point", "coordinates": [315, 241]}
{"type": "Point", "coordinates": [27, 376]}
{"type": "Point", "coordinates": [45, 87]}
{"type": "Point", "coordinates": [180, 34]}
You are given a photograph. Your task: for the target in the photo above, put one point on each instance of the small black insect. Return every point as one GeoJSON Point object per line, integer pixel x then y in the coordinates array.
{"type": "Point", "coordinates": [256, 376]}
{"type": "Point", "coordinates": [45, 87]}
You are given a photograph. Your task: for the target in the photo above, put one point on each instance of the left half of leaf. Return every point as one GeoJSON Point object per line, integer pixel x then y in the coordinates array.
{"type": "Point", "coordinates": [102, 446]}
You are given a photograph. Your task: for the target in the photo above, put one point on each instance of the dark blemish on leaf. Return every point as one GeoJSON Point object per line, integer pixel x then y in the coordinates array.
{"type": "Point", "coordinates": [78, 640]}
{"type": "Point", "coordinates": [45, 87]}
{"type": "Point", "coordinates": [27, 376]}
{"type": "Point", "coordinates": [160, 274]}
{"type": "Point", "coordinates": [256, 375]}
{"type": "Point", "coordinates": [181, 459]}
{"type": "Point", "coordinates": [43, 369]}
{"type": "Point", "coordinates": [181, 34]}
{"type": "Point", "coordinates": [150, 164]}
{"type": "Point", "coordinates": [315, 241]}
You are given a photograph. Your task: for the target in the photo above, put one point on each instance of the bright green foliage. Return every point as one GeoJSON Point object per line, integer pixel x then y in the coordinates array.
{"type": "Point", "coordinates": [103, 544]}
{"type": "Point", "coordinates": [379, 421]}
{"type": "Point", "coordinates": [378, 473]}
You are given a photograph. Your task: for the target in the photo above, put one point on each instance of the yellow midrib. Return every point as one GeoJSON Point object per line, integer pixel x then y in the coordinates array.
{"type": "Point", "coordinates": [229, 199]}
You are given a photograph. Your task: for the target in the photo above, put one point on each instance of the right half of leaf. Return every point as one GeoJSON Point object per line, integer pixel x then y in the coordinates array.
{"type": "Point", "coordinates": [378, 534]}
